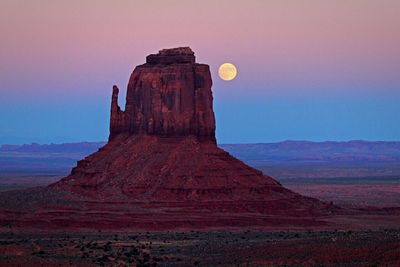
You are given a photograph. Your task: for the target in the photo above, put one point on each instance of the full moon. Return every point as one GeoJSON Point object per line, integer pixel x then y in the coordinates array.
{"type": "Point", "coordinates": [227, 71]}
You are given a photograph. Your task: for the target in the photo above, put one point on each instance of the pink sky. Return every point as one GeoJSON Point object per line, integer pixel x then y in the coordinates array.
{"type": "Point", "coordinates": [318, 45]}
{"type": "Point", "coordinates": [65, 54]}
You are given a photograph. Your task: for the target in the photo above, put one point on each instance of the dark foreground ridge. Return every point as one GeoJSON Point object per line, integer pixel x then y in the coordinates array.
{"type": "Point", "coordinates": [202, 248]}
{"type": "Point", "coordinates": [161, 168]}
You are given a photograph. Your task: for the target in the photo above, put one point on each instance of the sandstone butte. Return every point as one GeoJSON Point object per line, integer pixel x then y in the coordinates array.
{"type": "Point", "coordinates": [161, 168]}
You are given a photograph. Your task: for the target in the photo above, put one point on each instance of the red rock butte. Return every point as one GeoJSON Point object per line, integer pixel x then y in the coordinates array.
{"type": "Point", "coordinates": [161, 168]}
{"type": "Point", "coordinates": [170, 95]}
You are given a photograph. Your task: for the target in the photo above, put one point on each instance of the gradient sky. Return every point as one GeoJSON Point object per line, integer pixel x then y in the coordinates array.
{"type": "Point", "coordinates": [307, 69]}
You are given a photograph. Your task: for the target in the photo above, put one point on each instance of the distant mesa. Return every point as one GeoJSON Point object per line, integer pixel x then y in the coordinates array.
{"type": "Point", "coordinates": [161, 168]}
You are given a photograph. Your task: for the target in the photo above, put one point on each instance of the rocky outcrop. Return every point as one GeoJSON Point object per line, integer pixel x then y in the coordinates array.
{"type": "Point", "coordinates": [117, 118]}
{"type": "Point", "coordinates": [161, 168]}
{"type": "Point", "coordinates": [169, 95]}
{"type": "Point", "coordinates": [162, 148]}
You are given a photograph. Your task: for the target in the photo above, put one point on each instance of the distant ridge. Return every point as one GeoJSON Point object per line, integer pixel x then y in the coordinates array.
{"type": "Point", "coordinates": [355, 150]}
{"type": "Point", "coordinates": [80, 147]}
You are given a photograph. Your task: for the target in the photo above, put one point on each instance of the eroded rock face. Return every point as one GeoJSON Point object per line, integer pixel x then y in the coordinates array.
{"type": "Point", "coordinates": [169, 95]}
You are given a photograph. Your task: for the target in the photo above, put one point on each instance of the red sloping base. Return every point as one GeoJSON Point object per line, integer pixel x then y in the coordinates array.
{"type": "Point", "coordinates": [149, 182]}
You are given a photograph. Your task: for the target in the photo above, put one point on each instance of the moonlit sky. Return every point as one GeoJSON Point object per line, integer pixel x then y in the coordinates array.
{"type": "Point", "coordinates": [307, 69]}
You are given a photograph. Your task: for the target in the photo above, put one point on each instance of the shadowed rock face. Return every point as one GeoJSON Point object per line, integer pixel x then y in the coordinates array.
{"type": "Point", "coordinates": [169, 95]}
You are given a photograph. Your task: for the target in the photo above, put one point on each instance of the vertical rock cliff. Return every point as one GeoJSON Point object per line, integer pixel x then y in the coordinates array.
{"type": "Point", "coordinates": [169, 95]}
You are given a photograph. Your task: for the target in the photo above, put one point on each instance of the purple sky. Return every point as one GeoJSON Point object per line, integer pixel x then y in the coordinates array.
{"type": "Point", "coordinates": [307, 69]}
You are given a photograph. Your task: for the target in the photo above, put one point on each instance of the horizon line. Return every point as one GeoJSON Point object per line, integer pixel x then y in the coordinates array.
{"type": "Point", "coordinates": [238, 143]}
